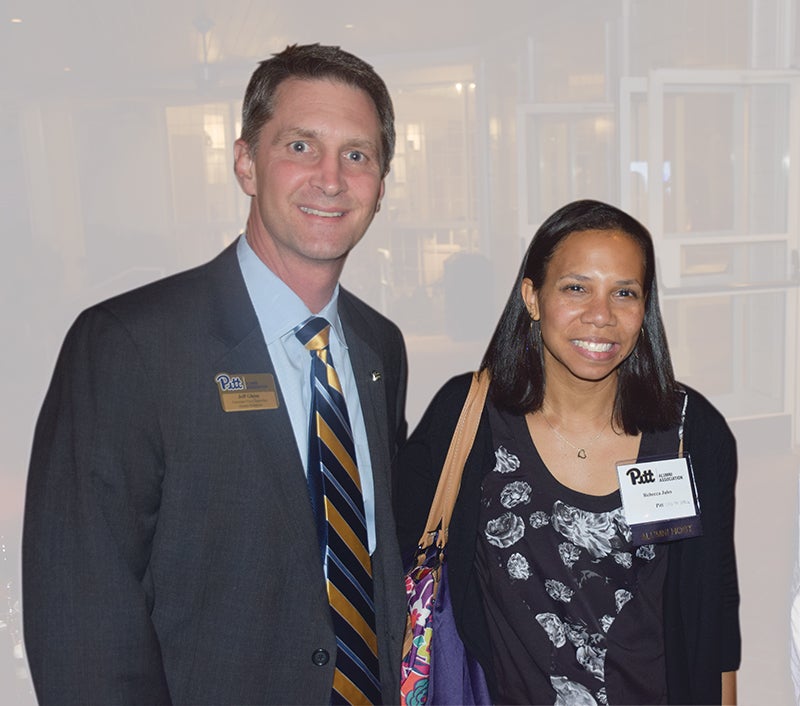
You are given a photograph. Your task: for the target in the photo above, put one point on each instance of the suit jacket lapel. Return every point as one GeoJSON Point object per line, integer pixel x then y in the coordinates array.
{"type": "Point", "coordinates": [244, 350]}
{"type": "Point", "coordinates": [368, 371]}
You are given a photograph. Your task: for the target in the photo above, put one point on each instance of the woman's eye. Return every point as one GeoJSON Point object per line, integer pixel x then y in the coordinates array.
{"type": "Point", "coordinates": [628, 293]}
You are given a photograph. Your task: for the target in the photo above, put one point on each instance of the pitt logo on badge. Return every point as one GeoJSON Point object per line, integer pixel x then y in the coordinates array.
{"type": "Point", "coordinates": [245, 392]}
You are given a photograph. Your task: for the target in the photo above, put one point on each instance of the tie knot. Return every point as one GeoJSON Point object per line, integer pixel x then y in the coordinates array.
{"type": "Point", "coordinates": [314, 333]}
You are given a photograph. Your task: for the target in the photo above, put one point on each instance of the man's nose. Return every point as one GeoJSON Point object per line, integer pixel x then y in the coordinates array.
{"type": "Point", "coordinates": [328, 176]}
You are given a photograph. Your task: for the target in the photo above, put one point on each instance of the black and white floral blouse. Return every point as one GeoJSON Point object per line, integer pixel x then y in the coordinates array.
{"type": "Point", "coordinates": [573, 609]}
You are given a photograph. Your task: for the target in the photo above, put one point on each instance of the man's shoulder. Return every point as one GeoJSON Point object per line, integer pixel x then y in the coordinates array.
{"type": "Point", "coordinates": [172, 309]}
{"type": "Point", "coordinates": [357, 312]}
{"type": "Point", "coordinates": [188, 289]}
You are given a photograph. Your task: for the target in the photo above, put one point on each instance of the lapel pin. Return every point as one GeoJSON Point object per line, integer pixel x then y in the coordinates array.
{"type": "Point", "coordinates": [375, 376]}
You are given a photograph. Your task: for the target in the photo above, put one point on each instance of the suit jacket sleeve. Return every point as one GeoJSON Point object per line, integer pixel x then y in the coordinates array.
{"type": "Point", "coordinates": [90, 517]}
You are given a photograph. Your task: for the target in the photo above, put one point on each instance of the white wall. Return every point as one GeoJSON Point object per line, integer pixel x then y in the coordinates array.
{"type": "Point", "coordinates": [116, 126]}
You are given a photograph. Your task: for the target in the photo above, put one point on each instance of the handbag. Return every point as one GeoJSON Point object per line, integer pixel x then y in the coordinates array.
{"type": "Point", "coordinates": [436, 667]}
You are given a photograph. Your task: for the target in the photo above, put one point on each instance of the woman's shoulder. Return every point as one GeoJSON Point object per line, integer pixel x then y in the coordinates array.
{"type": "Point", "coordinates": [699, 407]}
{"type": "Point", "coordinates": [444, 409]}
{"type": "Point", "coordinates": [456, 387]}
{"type": "Point", "coordinates": [452, 394]}
{"type": "Point", "coordinates": [703, 417]}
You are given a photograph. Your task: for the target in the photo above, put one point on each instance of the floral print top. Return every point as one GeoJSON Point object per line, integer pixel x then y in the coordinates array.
{"type": "Point", "coordinates": [573, 609]}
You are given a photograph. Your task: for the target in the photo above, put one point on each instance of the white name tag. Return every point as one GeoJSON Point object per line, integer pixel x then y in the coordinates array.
{"type": "Point", "coordinates": [659, 499]}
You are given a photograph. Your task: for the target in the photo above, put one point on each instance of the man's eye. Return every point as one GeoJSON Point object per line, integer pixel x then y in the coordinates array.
{"type": "Point", "coordinates": [355, 156]}
{"type": "Point", "coordinates": [298, 146]}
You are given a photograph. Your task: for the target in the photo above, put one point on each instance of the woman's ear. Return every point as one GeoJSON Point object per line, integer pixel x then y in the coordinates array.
{"type": "Point", "coordinates": [531, 298]}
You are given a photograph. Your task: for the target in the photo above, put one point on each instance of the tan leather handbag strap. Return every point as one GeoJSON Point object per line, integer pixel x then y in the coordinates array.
{"type": "Point", "coordinates": [450, 480]}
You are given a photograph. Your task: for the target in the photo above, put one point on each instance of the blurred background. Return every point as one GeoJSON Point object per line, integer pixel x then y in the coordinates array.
{"type": "Point", "coordinates": [117, 121]}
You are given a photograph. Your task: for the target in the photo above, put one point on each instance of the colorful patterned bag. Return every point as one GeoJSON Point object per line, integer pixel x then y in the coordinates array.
{"type": "Point", "coordinates": [439, 671]}
{"type": "Point", "coordinates": [422, 582]}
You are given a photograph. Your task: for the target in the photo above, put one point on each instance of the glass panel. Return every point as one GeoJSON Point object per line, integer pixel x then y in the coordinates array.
{"type": "Point", "coordinates": [429, 214]}
{"type": "Point", "coordinates": [580, 74]}
{"type": "Point", "coordinates": [569, 157]}
{"type": "Point", "coordinates": [765, 345]}
{"type": "Point", "coordinates": [431, 177]}
{"type": "Point", "coordinates": [699, 146]}
{"type": "Point", "coordinates": [796, 38]}
{"type": "Point", "coordinates": [767, 158]}
{"type": "Point", "coordinates": [200, 139]}
{"type": "Point", "coordinates": [688, 34]}
{"type": "Point", "coordinates": [732, 348]}
{"type": "Point", "coordinates": [701, 336]}
{"type": "Point", "coordinates": [726, 160]}
{"type": "Point", "coordinates": [13, 194]}
{"type": "Point", "coordinates": [637, 168]}
{"type": "Point", "coordinates": [731, 264]}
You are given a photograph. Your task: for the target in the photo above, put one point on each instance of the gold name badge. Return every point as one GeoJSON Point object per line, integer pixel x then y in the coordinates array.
{"type": "Point", "coordinates": [246, 392]}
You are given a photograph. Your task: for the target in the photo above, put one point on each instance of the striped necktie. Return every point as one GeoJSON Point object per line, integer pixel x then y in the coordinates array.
{"type": "Point", "coordinates": [335, 490]}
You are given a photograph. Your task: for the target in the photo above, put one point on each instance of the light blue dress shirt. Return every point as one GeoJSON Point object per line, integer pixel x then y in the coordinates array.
{"type": "Point", "coordinates": [279, 311]}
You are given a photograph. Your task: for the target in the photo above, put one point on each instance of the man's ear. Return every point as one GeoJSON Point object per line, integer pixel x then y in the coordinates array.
{"type": "Point", "coordinates": [531, 298]}
{"type": "Point", "coordinates": [243, 167]}
{"type": "Point", "coordinates": [380, 196]}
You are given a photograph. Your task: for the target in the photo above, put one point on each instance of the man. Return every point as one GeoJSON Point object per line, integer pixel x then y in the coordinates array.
{"type": "Point", "coordinates": [170, 552]}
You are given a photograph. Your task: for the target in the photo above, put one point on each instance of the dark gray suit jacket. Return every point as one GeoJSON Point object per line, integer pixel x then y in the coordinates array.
{"type": "Point", "coordinates": [169, 551]}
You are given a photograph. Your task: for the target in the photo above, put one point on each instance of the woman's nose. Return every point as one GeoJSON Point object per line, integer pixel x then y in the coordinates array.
{"type": "Point", "coordinates": [599, 312]}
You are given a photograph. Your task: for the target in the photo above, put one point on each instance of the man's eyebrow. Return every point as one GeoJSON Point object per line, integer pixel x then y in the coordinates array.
{"type": "Point", "coordinates": [363, 143]}
{"type": "Point", "coordinates": [296, 132]}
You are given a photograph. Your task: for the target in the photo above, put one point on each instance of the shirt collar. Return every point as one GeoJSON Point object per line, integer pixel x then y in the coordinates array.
{"type": "Point", "coordinates": [277, 307]}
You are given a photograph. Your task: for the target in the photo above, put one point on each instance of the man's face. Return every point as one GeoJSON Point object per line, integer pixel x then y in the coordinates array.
{"type": "Point", "coordinates": [315, 175]}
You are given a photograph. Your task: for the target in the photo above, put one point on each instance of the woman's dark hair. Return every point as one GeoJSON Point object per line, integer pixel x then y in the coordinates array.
{"type": "Point", "coordinates": [315, 62]}
{"type": "Point", "coordinates": [646, 393]}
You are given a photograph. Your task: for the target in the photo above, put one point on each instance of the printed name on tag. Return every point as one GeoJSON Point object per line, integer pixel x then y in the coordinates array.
{"type": "Point", "coordinates": [659, 499]}
{"type": "Point", "coordinates": [246, 392]}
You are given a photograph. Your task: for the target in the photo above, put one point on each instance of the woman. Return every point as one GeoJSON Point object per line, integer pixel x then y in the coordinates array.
{"type": "Point", "coordinates": [549, 592]}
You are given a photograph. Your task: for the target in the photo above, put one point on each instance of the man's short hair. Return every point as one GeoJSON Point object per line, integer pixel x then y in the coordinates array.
{"type": "Point", "coordinates": [314, 62]}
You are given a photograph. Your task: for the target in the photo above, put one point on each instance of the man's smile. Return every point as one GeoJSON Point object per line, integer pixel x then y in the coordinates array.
{"type": "Point", "coordinates": [325, 214]}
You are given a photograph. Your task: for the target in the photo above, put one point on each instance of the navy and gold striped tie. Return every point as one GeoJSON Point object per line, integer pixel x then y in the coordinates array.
{"type": "Point", "coordinates": [335, 490]}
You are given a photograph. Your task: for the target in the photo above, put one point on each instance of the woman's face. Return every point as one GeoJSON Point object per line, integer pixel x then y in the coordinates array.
{"type": "Point", "coordinates": [591, 304]}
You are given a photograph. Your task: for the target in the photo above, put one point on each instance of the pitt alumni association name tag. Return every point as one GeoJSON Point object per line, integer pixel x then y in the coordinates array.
{"type": "Point", "coordinates": [659, 499]}
{"type": "Point", "coordinates": [246, 392]}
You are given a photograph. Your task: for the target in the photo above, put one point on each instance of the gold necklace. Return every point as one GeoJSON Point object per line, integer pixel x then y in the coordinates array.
{"type": "Point", "coordinates": [580, 449]}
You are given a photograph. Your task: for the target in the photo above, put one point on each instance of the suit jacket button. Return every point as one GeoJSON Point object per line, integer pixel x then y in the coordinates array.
{"type": "Point", "coordinates": [320, 657]}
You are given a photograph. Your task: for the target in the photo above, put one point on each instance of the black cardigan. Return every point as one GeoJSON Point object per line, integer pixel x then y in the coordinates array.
{"type": "Point", "coordinates": [701, 595]}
